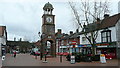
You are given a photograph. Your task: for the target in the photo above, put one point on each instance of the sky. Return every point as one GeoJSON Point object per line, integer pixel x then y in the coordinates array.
{"type": "Point", "coordinates": [23, 17]}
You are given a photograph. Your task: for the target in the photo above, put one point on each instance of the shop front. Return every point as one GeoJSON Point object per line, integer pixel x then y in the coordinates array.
{"type": "Point", "coordinates": [109, 49]}
{"type": "Point", "coordinates": [83, 49]}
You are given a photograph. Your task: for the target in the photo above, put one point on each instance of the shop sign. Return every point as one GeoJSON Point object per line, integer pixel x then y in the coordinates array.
{"type": "Point", "coordinates": [63, 46]}
{"type": "Point", "coordinates": [111, 46]}
{"type": "Point", "coordinates": [101, 46]}
{"type": "Point", "coordinates": [74, 43]}
{"type": "Point", "coordinates": [105, 44]}
{"type": "Point", "coordinates": [84, 45]}
{"type": "Point", "coordinates": [72, 46]}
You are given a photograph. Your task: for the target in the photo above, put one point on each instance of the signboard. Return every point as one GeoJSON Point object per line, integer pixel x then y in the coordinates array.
{"type": "Point", "coordinates": [102, 58]}
{"type": "Point", "coordinates": [3, 57]}
{"type": "Point", "coordinates": [72, 60]}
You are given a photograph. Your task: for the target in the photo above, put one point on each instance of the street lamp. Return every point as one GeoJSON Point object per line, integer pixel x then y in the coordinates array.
{"type": "Point", "coordinates": [45, 61]}
{"type": "Point", "coordinates": [59, 40]}
{"type": "Point", "coordinates": [40, 48]}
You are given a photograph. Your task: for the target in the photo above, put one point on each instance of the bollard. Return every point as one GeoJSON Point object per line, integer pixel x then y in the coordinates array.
{"type": "Point", "coordinates": [61, 58]}
{"type": "Point", "coordinates": [35, 56]}
{"type": "Point", "coordinates": [41, 56]}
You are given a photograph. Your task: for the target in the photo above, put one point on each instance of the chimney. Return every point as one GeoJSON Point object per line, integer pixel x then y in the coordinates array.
{"type": "Point", "coordinates": [20, 39]}
{"type": "Point", "coordinates": [106, 15]}
{"type": "Point", "coordinates": [14, 39]}
{"type": "Point", "coordinates": [98, 21]}
{"type": "Point", "coordinates": [59, 31]}
{"type": "Point", "coordinates": [71, 32]}
{"type": "Point", "coordinates": [77, 30]}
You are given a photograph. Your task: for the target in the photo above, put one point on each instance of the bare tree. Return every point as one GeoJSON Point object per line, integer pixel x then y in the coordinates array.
{"type": "Point", "coordinates": [92, 12]}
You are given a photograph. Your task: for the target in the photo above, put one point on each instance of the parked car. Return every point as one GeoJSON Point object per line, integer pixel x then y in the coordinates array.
{"type": "Point", "coordinates": [16, 51]}
{"type": "Point", "coordinates": [37, 53]}
{"type": "Point", "coordinates": [110, 56]}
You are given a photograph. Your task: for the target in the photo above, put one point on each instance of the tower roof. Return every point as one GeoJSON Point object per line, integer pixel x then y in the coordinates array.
{"type": "Point", "coordinates": [48, 6]}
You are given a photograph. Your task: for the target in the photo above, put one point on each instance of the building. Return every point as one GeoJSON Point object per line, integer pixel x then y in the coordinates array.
{"type": "Point", "coordinates": [20, 46]}
{"type": "Point", "coordinates": [67, 42]}
{"type": "Point", "coordinates": [3, 39]}
{"type": "Point", "coordinates": [106, 39]}
{"type": "Point", "coordinates": [118, 38]}
{"type": "Point", "coordinates": [48, 31]}
{"type": "Point", "coordinates": [58, 36]}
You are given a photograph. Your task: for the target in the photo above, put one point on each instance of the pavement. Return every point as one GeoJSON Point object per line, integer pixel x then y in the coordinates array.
{"type": "Point", "coordinates": [30, 60]}
{"type": "Point", "coordinates": [0, 62]}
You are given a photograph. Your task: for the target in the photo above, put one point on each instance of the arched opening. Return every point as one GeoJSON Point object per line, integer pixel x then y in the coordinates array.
{"type": "Point", "coordinates": [50, 47]}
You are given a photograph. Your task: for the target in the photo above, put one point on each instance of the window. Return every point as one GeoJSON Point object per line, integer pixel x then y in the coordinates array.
{"type": "Point", "coordinates": [62, 43]}
{"type": "Point", "coordinates": [89, 37]}
{"type": "Point", "coordinates": [106, 35]}
{"type": "Point", "coordinates": [83, 38]}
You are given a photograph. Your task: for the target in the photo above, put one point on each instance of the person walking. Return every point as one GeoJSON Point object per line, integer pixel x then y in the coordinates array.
{"type": "Point", "coordinates": [14, 54]}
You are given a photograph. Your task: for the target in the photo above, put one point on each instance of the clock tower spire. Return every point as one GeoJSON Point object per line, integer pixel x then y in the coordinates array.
{"type": "Point", "coordinates": [48, 8]}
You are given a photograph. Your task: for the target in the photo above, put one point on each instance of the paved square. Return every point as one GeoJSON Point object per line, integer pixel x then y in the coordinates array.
{"type": "Point", "coordinates": [29, 60]}
{"type": "Point", "coordinates": [0, 62]}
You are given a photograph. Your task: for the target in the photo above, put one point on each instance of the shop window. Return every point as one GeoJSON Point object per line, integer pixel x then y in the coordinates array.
{"type": "Point", "coordinates": [106, 35]}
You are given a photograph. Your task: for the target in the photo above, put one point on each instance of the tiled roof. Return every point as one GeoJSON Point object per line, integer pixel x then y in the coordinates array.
{"type": "Point", "coordinates": [105, 23]}
{"type": "Point", "coordinates": [75, 35]}
{"type": "Point", "coordinates": [110, 21]}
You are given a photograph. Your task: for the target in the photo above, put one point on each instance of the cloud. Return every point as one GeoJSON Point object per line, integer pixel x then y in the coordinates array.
{"type": "Point", "coordinates": [23, 17]}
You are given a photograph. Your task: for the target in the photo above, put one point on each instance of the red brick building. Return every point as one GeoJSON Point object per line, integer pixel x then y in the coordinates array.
{"type": "Point", "coordinates": [67, 42]}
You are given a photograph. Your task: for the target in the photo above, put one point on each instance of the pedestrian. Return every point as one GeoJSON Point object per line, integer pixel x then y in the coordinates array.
{"type": "Point", "coordinates": [14, 54]}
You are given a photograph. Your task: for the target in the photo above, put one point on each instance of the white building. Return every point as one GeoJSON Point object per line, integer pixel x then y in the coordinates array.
{"type": "Point", "coordinates": [118, 38]}
{"type": "Point", "coordinates": [108, 32]}
{"type": "Point", "coordinates": [3, 38]}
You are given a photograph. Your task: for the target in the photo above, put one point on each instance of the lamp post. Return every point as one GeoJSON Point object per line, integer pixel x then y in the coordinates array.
{"type": "Point", "coordinates": [40, 48]}
{"type": "Point", "coordinates": [44, 47]}
{"type": "Point", "coordinates": [45, 61]}
{"type": "Point", "coordinates": [59, 52]}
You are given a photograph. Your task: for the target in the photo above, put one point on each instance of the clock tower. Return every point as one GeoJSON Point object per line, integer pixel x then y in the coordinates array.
{"type": "Point", "coordinates": [48, 31]}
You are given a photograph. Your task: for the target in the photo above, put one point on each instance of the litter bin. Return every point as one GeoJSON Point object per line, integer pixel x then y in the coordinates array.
{"type": "Point", "coordinates": [72, 60]}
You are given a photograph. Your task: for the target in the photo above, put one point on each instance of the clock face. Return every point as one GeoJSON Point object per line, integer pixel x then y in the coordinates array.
{"type": "Point", "coordinates": [49, 19]}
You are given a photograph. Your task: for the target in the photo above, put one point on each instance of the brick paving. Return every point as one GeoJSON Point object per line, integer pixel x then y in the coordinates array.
{"type": "Point", "coordinates": [29, 60]}
{"type": "Point", "coordinates": [0, 62]}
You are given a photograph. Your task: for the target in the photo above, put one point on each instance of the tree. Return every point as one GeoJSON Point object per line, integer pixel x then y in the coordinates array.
{"type": "Point", "coordinates": [92, 13]}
